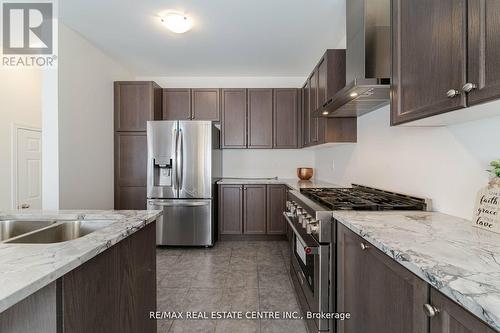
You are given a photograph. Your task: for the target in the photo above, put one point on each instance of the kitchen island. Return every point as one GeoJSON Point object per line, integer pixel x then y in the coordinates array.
{"type": "Point", "coordinates": [75, 284]}
{"type": "Point", "coordinates": [454, 259]}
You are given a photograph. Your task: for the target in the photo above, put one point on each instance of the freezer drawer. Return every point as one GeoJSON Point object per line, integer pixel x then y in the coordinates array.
{"type": "Point", "coordinates": [184, 222]}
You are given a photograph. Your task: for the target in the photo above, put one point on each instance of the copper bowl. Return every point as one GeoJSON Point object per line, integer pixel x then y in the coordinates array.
{"type": "Point", "coordinates": [304, 173]}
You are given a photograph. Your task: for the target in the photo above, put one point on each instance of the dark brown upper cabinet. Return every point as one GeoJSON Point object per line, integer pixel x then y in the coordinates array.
{"type": "Point", "coordinates": [452, 317]}
{"type": "Point", "coordinates": [136, 102]}
{"type": "Point", "coordinates": [483, 51]}
{"type": "Point", "coordinates": [306, 115]}
{"type": "Point", "coordinates": [276, 205]}
{"type": "Point", "coordinates": [260, 118]}
{"type": "Point", "coordinates": [205, 104]}
{"type": "Point", "coordinates": [176, 104]}
{"type": "Point", "coordinates": [191, 104]}
{"type": "Point", "coordinates": [327, 78]}
{"type": "Point", "coordinates": [286, 118]}
{"type": "Point", "coordinates": [445, 56]}
{"type": "Point", "coordinates": [254, 209]}
{"type": "Point", "coordinates": [313, 105]}
{"type": "Point", "coordinates": [234, 118]}
{"type": "Point", "coordinates": [380, 294]}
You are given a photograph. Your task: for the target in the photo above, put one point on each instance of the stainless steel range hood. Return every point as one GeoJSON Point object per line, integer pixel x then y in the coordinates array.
{"type": "Point", "coordinates": [368, 61]}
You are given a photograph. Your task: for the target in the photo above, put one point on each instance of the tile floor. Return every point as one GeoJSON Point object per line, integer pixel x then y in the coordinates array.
{"type": "Point", "coordinates": [231, 276]}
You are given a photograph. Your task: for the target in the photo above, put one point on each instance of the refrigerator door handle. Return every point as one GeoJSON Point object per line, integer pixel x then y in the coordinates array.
{"type": "Point", "coordinates": [179, 203]}
{"type": "Point", "coordinates": [180, 162]}
{"type": "Point", "coordinates": [174, 175]}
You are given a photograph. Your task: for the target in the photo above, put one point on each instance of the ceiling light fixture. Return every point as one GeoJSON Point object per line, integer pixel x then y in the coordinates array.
{"type": "Point", "coordinates": [354, 94]}
{"type": "Point", "coordinates": [177, 22]}
{"type": "Point", "coordinates": [325, 113]}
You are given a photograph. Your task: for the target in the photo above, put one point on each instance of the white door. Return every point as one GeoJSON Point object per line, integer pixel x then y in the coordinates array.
{"type": "Point", "coordinates": [29, 169]}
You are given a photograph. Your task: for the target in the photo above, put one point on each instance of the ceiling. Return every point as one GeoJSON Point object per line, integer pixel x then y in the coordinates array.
{"type": "Point", "coordinates": [229, 37]}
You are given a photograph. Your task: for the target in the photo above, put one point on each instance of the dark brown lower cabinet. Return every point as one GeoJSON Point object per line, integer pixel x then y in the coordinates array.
{"type": "Point", "coordinates": [252, 212]}
{"type": "Point", "coordinates": [254, 209]}
{"type": "Point", "coordinates": [452, 318]}
{"type": "Point", "coordinates": [380, 294]}
{"type": "Point", "coordinates": [230, 209]}
{"type": "Point", "coordinates": [114, 291]}
{"type": "Point", "coordinates": [276, 205]}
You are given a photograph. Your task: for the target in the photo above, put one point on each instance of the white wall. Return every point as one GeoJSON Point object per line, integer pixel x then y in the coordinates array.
{"type": "Point", "coordinates": [446, 164]}
{"type": "Point", "coordinates": [20, 103]}
{"type": "Point", "coordinates": [86, 78]}
{"type": "Point", "coordinates": [265, 162]}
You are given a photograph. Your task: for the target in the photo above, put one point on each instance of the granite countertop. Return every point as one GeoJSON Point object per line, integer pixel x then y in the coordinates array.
{"type": "Point", "coordinates": [293, 183]}
{"type": "Point", "coordinates": [461, 261]}
{"type": "Point", "coordinates": [26, 268]}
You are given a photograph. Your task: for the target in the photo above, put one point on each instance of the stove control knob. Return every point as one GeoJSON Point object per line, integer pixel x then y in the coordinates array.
{"type": "Point", "coordinates": [306, 220]}
{"type": "Point", "coordinates": [313, 228]}
{"type": "Point", "coordinates": [302, 217]}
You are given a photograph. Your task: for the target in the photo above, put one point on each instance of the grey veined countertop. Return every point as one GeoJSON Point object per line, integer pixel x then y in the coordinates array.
{"type": "Point", "coordinates": [26, 268]}
{"type": "Point", "coordinates": [461, 261]}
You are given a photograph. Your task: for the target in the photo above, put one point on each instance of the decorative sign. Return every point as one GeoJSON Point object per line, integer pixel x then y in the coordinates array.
{"type": "Point", "coordinates": [487, 212]}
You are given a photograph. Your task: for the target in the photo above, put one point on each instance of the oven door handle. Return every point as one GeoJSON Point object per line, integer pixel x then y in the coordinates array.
{"type": "Point", "coordinates": [311, 249]}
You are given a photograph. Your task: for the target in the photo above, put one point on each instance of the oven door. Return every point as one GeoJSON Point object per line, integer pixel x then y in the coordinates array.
{"type": "Point", "coordinates": [310, 273]}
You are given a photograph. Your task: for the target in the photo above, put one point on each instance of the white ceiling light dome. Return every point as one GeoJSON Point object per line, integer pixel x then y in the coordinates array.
{"type": "Point", "coordinates": [177, 22]}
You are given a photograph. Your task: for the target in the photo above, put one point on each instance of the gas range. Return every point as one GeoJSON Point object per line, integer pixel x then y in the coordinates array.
{"type": "Point", "coordinates": [312, 206]}
{"type": "Point", "coordinates": [312, 240]}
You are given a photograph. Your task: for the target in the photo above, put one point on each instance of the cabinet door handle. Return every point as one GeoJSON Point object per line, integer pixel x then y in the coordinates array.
{"type": "Point", "coordinates": [468, 87]}
{"type": "Point", "coordinates": [452, 93]}
{"type": "Point", "coordinates": [430, 310]}
{"type": "Point", "coordinates": [364, 247]}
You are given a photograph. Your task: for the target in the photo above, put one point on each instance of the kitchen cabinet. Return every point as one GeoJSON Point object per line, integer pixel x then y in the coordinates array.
{"type": "Point", "coordinates": [230, 209]}
{"type": "Point", "coordinates": [234, 122]}
{"type": "Point", "coordinates": [451, 317]}
{"type": "Point", "coordinates": [191, 104]}
{"type": "Point", "coordinates": [445, 56]}
{"type": "Point", "coordinates": [260, 118]}
{"type": "Point", "coordinates": [205, 104]}
{"type": "Point", "coordinates": [114, 291]}
{"type": "Point", "coordinates": [327, 78]}
{"type": "Point", "coordinates": [176, 104]}
{"type": "Point", "coordinates": [380, 294]}
{"type": "Point", "coordinates": [286, 118]}
{"type": "Point", "coordinates": [306, 116]}
{"type": "Point", "coordinates": [313, 105]}
{"type": "Point", "coordinates": [254, 209]}
{"type": "Point", "coordinates": [483, 51]}
{"type": "Point", "coordinates": [276, 205]}
{"type": "Point", "coordinates": [136, 102]}
{"type": "Point", "coordinates": [130, 170]}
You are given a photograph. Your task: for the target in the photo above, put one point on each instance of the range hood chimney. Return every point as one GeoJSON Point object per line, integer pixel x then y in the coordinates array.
{"type": "Point", "coordinates": [368, 61]}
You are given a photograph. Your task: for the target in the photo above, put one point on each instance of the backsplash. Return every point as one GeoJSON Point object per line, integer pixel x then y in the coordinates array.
{"type": "Point", "coordinates": [265, 162]}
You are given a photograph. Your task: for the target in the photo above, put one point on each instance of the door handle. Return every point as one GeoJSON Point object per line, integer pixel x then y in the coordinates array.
{"type": "Point", "coordinates": [452, 93]}
{"type": "Point", "coordinates": [180, 162]}
{"type": "Point", "coordinates": [176, 171]}
{"type": "Point", "coordinates": [468, 87]}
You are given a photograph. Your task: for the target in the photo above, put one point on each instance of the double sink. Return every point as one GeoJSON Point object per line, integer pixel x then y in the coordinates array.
{"type": "Point", "coordinates": [47, 231]}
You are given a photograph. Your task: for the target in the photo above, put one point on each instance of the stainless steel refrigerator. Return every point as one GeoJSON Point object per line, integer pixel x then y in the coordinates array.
{"type": "Point", "coordinates": [184, 163]}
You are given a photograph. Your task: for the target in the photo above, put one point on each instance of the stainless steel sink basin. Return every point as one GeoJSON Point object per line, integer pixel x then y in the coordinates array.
{"type": "Point", "coordinates": [14, 228]}
{"type": "Point", "coordinates": [61, 232]}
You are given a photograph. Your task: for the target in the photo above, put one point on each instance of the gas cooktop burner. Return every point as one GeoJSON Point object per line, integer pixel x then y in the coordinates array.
{"type": "Point", "coordinates": [362, 198]}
